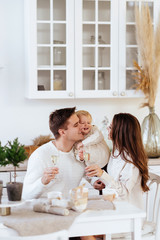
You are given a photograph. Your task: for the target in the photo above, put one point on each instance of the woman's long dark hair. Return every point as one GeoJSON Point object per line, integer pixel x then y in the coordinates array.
{"type": "Point", "coordinates": [126, 137]}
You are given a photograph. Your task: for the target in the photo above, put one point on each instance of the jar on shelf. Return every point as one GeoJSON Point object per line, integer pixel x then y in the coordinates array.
{"type": "Point", "coordinates": [92, 60]}
{"type": "Point", "coordinates": [58, 42]}
{"type": "Point", "coordinates": [101, 81]}
{"type": "Point", "coordinates": [57, 56]}
{"type": "Point", "coordinates": [100, 40]}
{"type": "Point", "coordinates": [92, 39]}
{"type": "Point", "coordinates": [58, 53]}
{"type": "Point", "coordinates": [100, 51]}
{"type": "Point", "coordinates": [58, 82]}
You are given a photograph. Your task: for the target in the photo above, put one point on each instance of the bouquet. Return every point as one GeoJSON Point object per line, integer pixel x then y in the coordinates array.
{"type": "Point", "coordinates": [148, 68]}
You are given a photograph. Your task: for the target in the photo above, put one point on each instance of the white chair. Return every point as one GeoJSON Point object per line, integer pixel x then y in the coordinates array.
{"type": "Point", "coordinates": [151, 226]}
{"type": "Point", "coordinates": [61, 235]}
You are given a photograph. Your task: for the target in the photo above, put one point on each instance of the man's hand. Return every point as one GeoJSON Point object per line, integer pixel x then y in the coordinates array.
{"type": "Point", "coordinates": [98, 185]}
{"type": "Point", "coordinates": [49, 175]}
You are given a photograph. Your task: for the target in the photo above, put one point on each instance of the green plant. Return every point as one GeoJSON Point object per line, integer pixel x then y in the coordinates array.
{"type": "Point", "coordinates": [14, 154]}
{"type": "Point", "coordinates": [2, 155]}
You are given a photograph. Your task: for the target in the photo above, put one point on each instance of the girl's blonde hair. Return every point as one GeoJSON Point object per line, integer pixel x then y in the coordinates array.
{"type": "Point", "coordinates": [83, 113]}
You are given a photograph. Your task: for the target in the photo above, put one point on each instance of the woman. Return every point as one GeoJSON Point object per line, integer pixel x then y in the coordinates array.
{"type": "Point", "coordinates": [127, 171]}
{"type": "Point", "coordinates": [128, 165]}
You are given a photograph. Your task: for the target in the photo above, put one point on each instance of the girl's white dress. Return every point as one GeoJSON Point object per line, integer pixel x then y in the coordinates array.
{"type": "Point", "coordinates": [96, 146]}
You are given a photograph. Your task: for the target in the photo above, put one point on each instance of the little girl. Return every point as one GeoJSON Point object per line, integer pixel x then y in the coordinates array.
{"type": "Point", "coordinates": [93, 144]}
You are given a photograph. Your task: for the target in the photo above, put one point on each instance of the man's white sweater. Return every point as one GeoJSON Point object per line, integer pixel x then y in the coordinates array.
{"type": "Point", "coordinates": [70, 172]}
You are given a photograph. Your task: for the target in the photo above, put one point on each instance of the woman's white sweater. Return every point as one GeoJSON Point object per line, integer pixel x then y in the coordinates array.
{"type": "Point", "coordinates": [125, 178]}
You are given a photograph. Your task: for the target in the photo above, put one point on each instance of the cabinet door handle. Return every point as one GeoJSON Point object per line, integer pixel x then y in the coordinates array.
{"type": "Point", "coordinates": [123, 93]}
{"type": "Point", "coordinates": [115, 93]}
{"type": "Point", "coordinates": [71, 94]}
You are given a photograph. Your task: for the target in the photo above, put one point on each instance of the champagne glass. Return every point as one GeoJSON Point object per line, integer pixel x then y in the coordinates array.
{"type": "Point", "coordinates": [55, 160]}
{"type": "Point", "coordinates": [86, 155]}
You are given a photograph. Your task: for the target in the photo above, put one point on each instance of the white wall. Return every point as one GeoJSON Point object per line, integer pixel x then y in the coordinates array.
{"type": "Point", "coordinates": [27, 119]}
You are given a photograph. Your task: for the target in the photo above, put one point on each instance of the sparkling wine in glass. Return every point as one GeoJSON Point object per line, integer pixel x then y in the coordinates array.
{"type": "Point", "coordinates": [55, 159]}
{"type": "Point", "coordinates": [86, 155]}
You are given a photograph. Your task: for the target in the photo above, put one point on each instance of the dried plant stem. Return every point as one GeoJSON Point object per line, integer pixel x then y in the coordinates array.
{"type": "Point", "coordinates": [149, 55]}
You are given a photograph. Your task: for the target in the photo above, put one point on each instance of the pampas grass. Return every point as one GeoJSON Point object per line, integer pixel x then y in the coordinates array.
{"type": "Point", "coordinates": [148, 41]}
{"type": "Point", "coordinates": [42, 139]}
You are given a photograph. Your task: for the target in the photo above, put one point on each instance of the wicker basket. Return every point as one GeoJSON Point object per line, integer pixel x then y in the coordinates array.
{"type": "Point", "coordinates": [30, 149]}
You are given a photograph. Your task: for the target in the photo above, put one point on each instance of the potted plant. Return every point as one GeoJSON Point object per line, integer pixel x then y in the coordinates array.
{"type": "Point", "coordinates": [14, 154]}
{"type": "Point", "coordinates": [2, 161]}
{"type": "Point", "coordinates": [2, 155]}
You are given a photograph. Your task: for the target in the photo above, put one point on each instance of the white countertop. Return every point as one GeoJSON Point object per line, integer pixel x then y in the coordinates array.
{"type": "Point", "coordinates": [154, 161]}
{"type": "Point", "coordinates": [23, 166]}
{"type": "Point", "coordinates": [8, 168]}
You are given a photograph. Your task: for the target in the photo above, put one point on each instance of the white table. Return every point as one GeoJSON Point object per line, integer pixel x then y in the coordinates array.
{"type": "Point", "coordinates": [126, 218]}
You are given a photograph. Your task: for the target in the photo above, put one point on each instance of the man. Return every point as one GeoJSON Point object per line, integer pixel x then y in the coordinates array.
{"type": "Point", "coordinates": [42, 176]}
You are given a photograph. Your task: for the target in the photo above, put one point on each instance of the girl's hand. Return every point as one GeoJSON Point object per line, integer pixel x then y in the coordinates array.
{"type": "Point", "coordinates": [80, 154]}
{"type": "Point", "coordinates": [79, 145]}
{"type": "Point", "coordinates": [93, 170]}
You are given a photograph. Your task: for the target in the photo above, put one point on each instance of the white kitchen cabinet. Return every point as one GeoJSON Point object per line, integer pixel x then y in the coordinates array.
{"type": "Point", "coordinates": [49, 48]}
{"type": "Point", "coordinates": [81, 48]}
{"type": "Point", "coordinates": [128, 50]}
{"type": "Point", "coordinates": [96, 71]}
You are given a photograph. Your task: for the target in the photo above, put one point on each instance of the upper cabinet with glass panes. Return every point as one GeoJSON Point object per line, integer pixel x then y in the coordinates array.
{"type": "Point", "coordinates": [81, 49]}
{"type": "Point", "coordinates": [128, 49]}
{"type": "Point", "coordinates": [95, 39]}
{"type": "Point", "coordinates": [50, 54]}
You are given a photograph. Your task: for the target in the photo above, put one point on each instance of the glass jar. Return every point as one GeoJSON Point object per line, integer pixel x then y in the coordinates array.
{"type": "Point", "coordinates": [100, 40]}
{"type": "Point", "coordinates": [58, 82]}
{"type": "Point", "coordinates": [57, 56]}
{"type": "Point", "coordinates": [92, 60]}
{"type": "Point", "coordinates": [92, 39]}
{"type": "Point", "coordinates": [101, 81]}
{"type": "Point", "coordinates": [58, 52]}
{"type": "Point", "coordinates": [100, 51]}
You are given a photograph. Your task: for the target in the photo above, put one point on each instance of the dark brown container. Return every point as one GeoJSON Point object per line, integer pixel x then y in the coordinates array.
{"type": "Point", "coordinates": [14, 191]}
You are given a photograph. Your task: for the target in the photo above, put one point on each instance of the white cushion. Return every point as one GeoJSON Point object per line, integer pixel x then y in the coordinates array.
{"type": "Point", "coordinates": [148, 227]}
